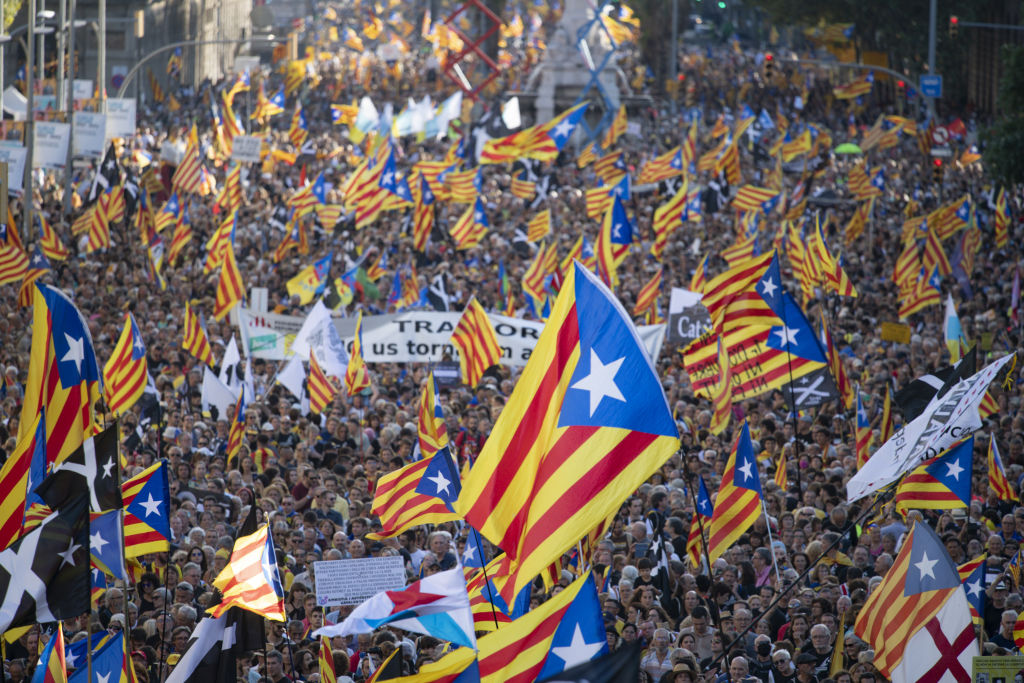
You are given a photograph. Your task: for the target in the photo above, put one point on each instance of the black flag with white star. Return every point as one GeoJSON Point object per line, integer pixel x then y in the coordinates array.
{"type": "Point", "coordinates": [44, 575]}
{"type": "Point", "coordinates": [107, 175]}
{"type": "Point", "coordinates": [93, 466]}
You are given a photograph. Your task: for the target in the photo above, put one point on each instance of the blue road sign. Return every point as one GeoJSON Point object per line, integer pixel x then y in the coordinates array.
{"type": "Point", "coordinates": [931, 85]}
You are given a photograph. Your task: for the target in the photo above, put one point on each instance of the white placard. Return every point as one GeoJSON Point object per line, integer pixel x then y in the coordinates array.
{"type": "Point", "coordinates": [248, 63]}
{"type": "Point", "coordinates": [82, 89]}
{"type": "Point", "coordinates": [246, 148]}
{"type": "Point", "coordinates": [351, 582]}
{"type": "Point", "coordinates": [120, 117]}
{"type": "Point", "coordinates": [90, 130]}
{"type": "Point", "coordinates": [51, 144]}
{"type": "Point", "coordinates": [633, 128]}
{"type": "Point", "coordinates": [14, 157]}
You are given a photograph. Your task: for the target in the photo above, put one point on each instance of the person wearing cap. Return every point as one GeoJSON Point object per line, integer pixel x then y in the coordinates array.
{"type": "Point", "coordinates": [805, 666]}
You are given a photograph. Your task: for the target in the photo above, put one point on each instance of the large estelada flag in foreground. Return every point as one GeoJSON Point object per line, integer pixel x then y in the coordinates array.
{"type": "Point", "coordinates": [919, 609]}
{"type": "Point", "coordinates": [587, 423]}
{"type": "Point", "coordinates": [63, 375]}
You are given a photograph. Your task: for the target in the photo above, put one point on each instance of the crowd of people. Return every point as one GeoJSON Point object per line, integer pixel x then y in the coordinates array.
{"type": "Point", "coordinates": [755, 613]}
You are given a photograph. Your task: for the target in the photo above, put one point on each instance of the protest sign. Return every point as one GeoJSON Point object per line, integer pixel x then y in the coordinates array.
{"type": "Point", "coordinates": [350, 582]}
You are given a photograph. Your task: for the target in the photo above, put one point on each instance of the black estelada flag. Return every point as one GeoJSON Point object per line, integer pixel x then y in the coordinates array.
{"type": "Point", "coordinates": [93, 466]}
{"type": "Point", "coordinates": [620, 666]}
{"type": "Point", "coordinates": [44, 575]}
{"type": "Point", "coordinates": [915, 397]}
{"type": "Point", "coordinates": [107, 175]}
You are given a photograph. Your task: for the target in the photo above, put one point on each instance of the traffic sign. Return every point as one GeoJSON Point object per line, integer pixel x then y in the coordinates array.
{"type": "Point", "coordinates": [931, 85]}
{"type": "Point", "coordinates": [940, 136]}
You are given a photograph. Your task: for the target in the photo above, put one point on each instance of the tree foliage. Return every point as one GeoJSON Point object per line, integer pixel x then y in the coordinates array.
{"type": "Point", "coordinates": [1004, 140]}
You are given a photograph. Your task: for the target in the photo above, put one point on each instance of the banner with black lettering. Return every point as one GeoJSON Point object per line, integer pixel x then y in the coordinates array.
{"type": "Point", "coordinates": [410, 337]}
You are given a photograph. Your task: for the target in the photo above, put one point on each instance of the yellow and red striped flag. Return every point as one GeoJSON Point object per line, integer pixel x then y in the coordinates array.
{"type": "Point", "coordinates": [194, 340]}
{"type": "Point", "coordinates": [616, 129]}
{"type": "Point", "coordinates": [251, 580]}
{"type": "Point", "coordinates": [477, 343]}
{"type": "Point", "coordinates": [862, 432]}
{"type": "Point", "coordinates": [328, 674]}
{"type": "Point", "coordinates": [700, 278]}
{"type": "Point", "coordinates": [423, 213]}
{"type": "Point", "coordinates": [230, 197]}
{"type": "Point", "coordinates": [147, 512]}
{"type": "Point", "coordinates": [1002, 219]}
{"type": "Point", "coordinates": [220, 241]}
{"type": "Point", "coordinates": [236, 435]}
{"type": "Point", "coordinates": [432, 431]}
{"type": "Point", "coordinates": [53, 248]}
{"type": "Point", "coordinates": [419, 493]}
{"type": "Point", "coordinates": [182, 236]}
{"type": "Point", "coordinates": [230, 288]}
{"type": "Point", "coordinates": [38, 266]}
{"type": "Point", "coordinates": [471, 227]}
{"type": "Point", "coordinates": [996, 474]}
{"type": "Point", "coordinates": [722, 394]}
{"type": "Point", "coordinates": [753, 198]}
{"type": "Point", "coordinates": [573, 418]}
{"type": "Point", "coordinates": [648, 294]}
{"type": "Point", "coordinates": [908, 599]}
{"type": "Point", "coordinates": [126, 373]}
{"type": "Point", "coordinates": [854, 89]}
{"type": "Point", "coordinates": [523, 188]}
{"type": "Point", "coordinates": [187, 175]}
{"type": "Point", "coordinates": [51, 665]}
{"type": "Point", "coordinates": [543, 265]}
{"type": "Point", "coordinates": [66, 392]}
{"type": "Point", "coordinates": [667, 218]}
{"type": "Point", "coordinates": [738, 504]}
{"type": "Point", "coordinates": [516, 652]}
{"type": "Point", "coordinates": [322, 389]}
{"type": "Point", "coordinates": [781, 474]}
{"type": "Point", "coordinates": [539, 226]}
{"type": "Point", "coordinates": [299, 129]}
{"type": "Point", "coordinates": [357, 375]}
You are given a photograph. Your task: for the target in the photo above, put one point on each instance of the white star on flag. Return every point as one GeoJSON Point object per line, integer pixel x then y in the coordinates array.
{"type": "Point", "coordinates": [152, 506]}
{"type": "Point", "coordinates": [925, 566]}
{"type": "Point", "coordinates": [601, 381]}
{"type": "Point", "coordinates": [76, 351]}
{"type": "Point", "coordinates": [578, 651]}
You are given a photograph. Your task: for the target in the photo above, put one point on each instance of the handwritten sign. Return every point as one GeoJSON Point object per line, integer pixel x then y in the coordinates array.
{"type": "Point", "coordinates": [246, 148]}
{"type": "Point", "coordinates": [351, 582]}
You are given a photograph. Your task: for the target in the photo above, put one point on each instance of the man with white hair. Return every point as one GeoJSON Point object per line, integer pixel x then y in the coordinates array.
{"type": "Point", "coordinates": [658, 660]}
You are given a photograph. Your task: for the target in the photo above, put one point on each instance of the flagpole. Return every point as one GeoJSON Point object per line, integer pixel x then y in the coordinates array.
{"type": "Point", "coordinates": [768, 525]}
{"type": "Point", "coordinates": [700, 521]}
{"type": "Point", "coordinates": [487, 581]}
{"type": "Point", "coordinates": [792, 399]}
{"type": "Point", "coordinates": [782, 592]}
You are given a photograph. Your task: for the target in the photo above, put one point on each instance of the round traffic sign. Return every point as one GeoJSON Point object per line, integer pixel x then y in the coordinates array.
{"type": "Point", "coordinates": [940, 136]}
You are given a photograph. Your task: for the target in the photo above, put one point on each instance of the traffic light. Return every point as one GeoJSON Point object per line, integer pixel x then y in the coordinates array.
{"type": "Point", "coordinates": [769, 65]}
{"type": "Point", "coordinates": [937, 170]}
{"type": "Point", "coordinates": [954, 25]}
{"type": "Point", "coordinates": [901, 89]}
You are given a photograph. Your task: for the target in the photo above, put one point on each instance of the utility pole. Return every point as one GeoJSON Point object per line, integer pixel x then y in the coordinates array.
{"type": "Point", "coordinates": [932, 12]}
{"type": "Point", "coordinates": [673, 69]}
{"type": "Point", "coordinates": [101, 66]}
{"type": "Point", "coordinates": [30, 143]}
